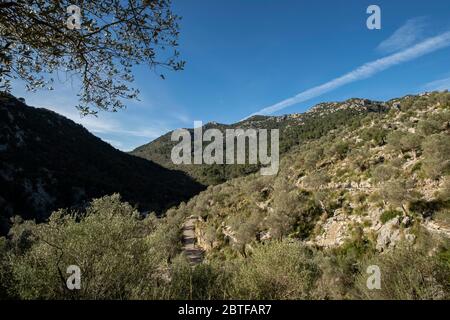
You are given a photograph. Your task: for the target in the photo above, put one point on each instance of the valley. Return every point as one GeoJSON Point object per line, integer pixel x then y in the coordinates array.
{"type": "Point", "coordinates": [360, 183]}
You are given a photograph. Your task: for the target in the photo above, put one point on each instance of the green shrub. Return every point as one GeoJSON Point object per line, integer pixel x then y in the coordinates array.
{"type": "Point", "coordinates": [120, 256]}
{"type": "Point", "coordinates": [278, 270]}
{"type": "Point", "coordinates": [377, 135]}
{"type": "Point", "coordinates": [389, 215]}
{"type": "Point", "coordinates": [201, 282]}
{"type": "Point", "coordinates": [5, 272]}
{"type": "Point", "coordinates": [407, 274]}
{"type": "Point", "coordinates": [404, 141]}
{"type": "Point", "coordinates": [384, 172]}
{"type": "Point", "coordinates": [436, 151]}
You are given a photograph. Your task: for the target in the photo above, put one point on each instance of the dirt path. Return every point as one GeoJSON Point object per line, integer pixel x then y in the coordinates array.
{"type": "Point", "coordinates": [190, 249]}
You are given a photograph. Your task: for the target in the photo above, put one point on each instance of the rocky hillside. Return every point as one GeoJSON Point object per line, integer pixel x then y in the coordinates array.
{"type": "Point", "coordinates": [374, 192]}
{"type": "Point", "coordinates": [382, 181]}
{"type": "Point", "coordinates": [294, 129]}
{"type": "Point", "coordinates": [49, 162]}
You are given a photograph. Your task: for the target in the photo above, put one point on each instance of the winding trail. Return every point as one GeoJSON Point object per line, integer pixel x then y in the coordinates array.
{"type": "Point", "coordinates": [193, 253]}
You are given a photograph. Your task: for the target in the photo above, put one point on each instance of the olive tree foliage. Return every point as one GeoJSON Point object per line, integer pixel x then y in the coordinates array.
{"type": "Point", "coordinates": [279, 270]}
{"type": "Point", "coordinates": [5, 272]}
{"type": "Point", "coordinates": [405, 141]}
{"type": "Point", "coordinates": [399, 193]}
{"type": "Point", "coordinates": [407, 274]}
{"type": "Point", "coordinates": [384, 172]}
{"type": "Point", "coordinates": [437, 155]}
{"type": "Point", "coordinates": [120, 255]}
{"type": "Point", "coordinates": [36, 45]}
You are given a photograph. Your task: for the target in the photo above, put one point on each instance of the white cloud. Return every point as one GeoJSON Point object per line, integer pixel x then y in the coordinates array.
{"type": "Point", "coordinates": [101, 125]}
{"type": "Point", "coordinates": [149, 133]}
{"type": "Point", "coordinates": [181, 117]}
{"type": "Point", "coordinates": [438, 85]}
{"type": "Point", "coordinates": [408, 34]}
{"type": "Point", "coordinates": [114, 143]}
{"type": "Point", "coordinates": [106, 125]}
{"type": "Point", "coordinates": [124, 130]}
{"type": "Point", "coordinates": [365, 71]}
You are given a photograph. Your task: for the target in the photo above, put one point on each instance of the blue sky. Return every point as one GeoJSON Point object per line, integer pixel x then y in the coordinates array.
{"type": "Point", "coordinates": [275, 56]}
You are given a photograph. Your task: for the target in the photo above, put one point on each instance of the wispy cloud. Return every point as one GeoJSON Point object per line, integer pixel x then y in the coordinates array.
{"type": "Point", "coordinates": [105, 124]}
{"type": "Point", "coordinates": [408, 34]}
{"type": "Point", "coordinates": [122, 135]}
{"type": "Point", "coordinates": [438, 85]}
{"type": "Point", "coordinates": [122, 132]}
{"type": "Point", "coordinates": [365, 71]}
{"type": "Point", "coordinates": [182, 117]}
{"type": "Point", "coordinates": [114, 143]}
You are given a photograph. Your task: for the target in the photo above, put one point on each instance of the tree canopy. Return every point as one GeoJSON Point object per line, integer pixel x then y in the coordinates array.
{"type": "Point", "coordinates": [36, 44]}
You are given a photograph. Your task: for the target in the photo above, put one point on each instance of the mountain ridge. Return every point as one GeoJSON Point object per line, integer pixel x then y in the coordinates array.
{"type": "Point", "coordinates": [294, 128]}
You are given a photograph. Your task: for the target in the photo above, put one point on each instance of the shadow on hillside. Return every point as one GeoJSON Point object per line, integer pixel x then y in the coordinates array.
{"type": "Point", "coordinates": [48, 162]}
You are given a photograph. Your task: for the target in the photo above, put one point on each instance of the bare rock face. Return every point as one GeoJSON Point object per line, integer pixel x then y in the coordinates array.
{"type": "Point", "coordinates": [406, 221]}
{"type": "Point", "coordinates": [394, 231]}
{"type": "Point", "coordinates": [335, 232]}
{"type": "Point", "coordinates": [389, 234]}
{"type": "Point", "coordinates": [338, 228]}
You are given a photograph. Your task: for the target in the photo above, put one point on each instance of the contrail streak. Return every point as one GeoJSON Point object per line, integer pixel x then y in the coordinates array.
{"type": "Point", "coordinates": [365, 71]}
